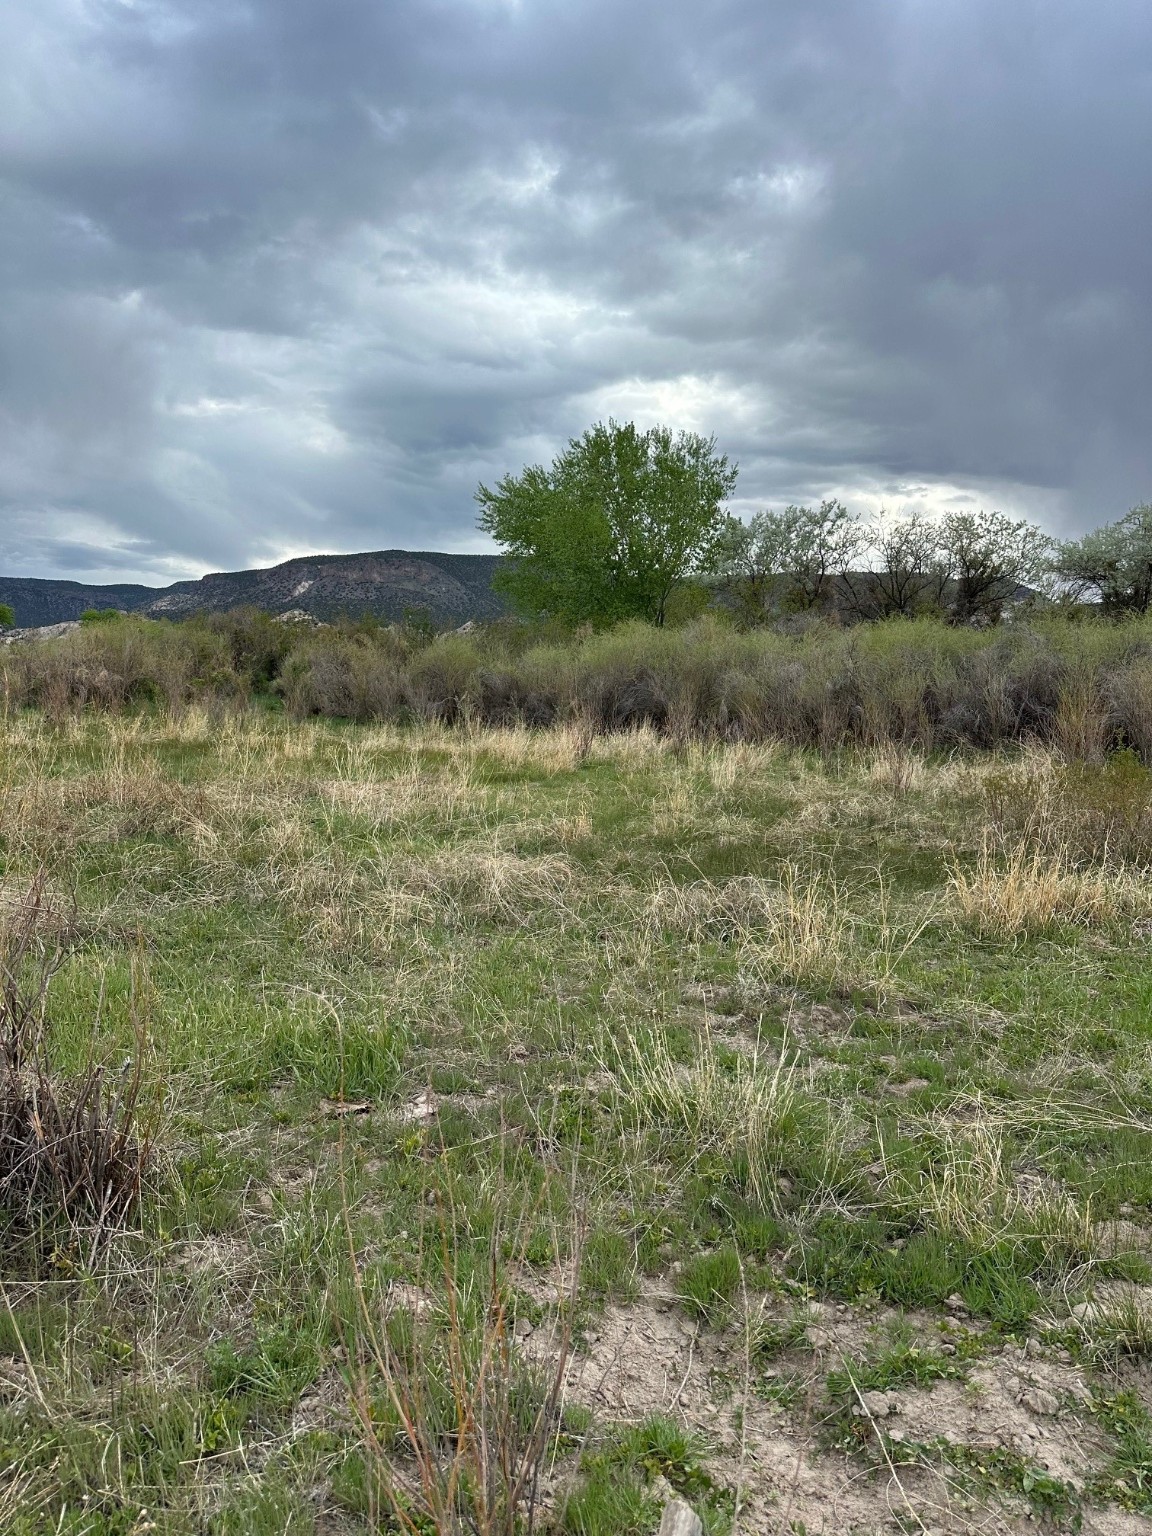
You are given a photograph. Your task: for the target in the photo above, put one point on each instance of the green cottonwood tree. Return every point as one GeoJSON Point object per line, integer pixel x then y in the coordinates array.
{"type": "Point", "coordinates": [619, 522]}
{"type": "Point", "coordinates": [7, 616]}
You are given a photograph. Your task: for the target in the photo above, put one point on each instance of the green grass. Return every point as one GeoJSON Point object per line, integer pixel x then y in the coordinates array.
{"type": "Point", "coordinates": [615, 1497]}
{"type": "Point", "coordinates": [900, 1360]}
{"type": "Point", "coordinates": [708, 1284]}
{"type": "Point", "coordinates": [667, 1003]}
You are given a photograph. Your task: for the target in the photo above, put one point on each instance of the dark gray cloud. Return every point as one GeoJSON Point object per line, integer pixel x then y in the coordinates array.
{"type": "Point", "coordinates": [296, 275]}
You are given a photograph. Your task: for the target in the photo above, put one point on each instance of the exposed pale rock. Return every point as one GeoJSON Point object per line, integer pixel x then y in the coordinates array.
{"type": "Point", "coordinates": [680, 1519]}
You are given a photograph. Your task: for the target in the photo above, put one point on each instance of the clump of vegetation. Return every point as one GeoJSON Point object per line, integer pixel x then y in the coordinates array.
{"type": "Point", "coordinates": [74, 1149]}
{"type": "Point", "coordinates": [457, 1424]}
{"type": "Point", "coordinates": [1027, 889]}
{"type": "Point", "coordinates": [615, 1496]}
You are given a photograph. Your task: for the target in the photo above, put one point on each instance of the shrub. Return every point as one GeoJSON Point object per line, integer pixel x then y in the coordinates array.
{"type": "Point", "coordinates": [107, 665]}
{"type": "Point", "coordinates": [1082, 687]}
{"type": "Point", "coordinates": [73, 1147]}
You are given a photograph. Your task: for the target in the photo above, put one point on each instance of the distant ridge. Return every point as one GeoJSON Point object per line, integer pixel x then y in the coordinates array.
{"type": "Point", "coordinates": [450, 589]}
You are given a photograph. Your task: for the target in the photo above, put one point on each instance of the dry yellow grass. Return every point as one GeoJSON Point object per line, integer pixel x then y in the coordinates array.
{"type": "Point", "coordinates": [897, 771]}
{"type": "Point", "coordinates": [969, 1189]}
{"type": "Point", "coordinates": [1028, 888]}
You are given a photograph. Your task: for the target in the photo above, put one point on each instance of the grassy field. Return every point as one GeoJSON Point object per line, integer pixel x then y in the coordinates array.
{"type": "Point", "coordinates": [555, 1121]}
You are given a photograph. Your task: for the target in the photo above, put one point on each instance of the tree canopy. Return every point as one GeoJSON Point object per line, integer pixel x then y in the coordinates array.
{"type": "Point", "coordinates": [1115, 562]}
{"type": "Point", "coordinates": [793, 555]}
{"type": "Point", "coordinates": [966, 566]}
{"type": "Point", "coordinates": [620, 520]}
{"type": "Point", "coordinates": [989, 557]}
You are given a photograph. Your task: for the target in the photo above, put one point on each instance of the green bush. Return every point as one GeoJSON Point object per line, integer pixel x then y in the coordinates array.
{"type": "Point", "coordinates": [1082, 685]}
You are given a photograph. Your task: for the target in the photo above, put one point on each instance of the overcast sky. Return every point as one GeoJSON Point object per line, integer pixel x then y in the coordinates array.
{"type": "Point", "coordinates": [282, 276]}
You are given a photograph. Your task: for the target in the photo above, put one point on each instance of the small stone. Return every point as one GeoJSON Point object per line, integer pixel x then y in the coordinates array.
{"type": "Point", "coordinates": [680, 1520]}
{"type": "Point", "coordinates": [877, 1404]}
{"type": "Point", "coordinates": [947, 1349]}
{"type": "Point", "coordinates": [1038, 1400]}
{"type": "Point", "coordinates": [522, 1328]}
{"type": "Point", "coordinates": [422, 1108]}
{"type": "Point", "coordinates": [1032, 1348]}
{"type": "Point", "coordinates": [956, 1302]}
{"type": "Point", "coordinates": [1085, 1311]}
{"type": "Point", "coordinates": [816, 1337]}
{"type": "Point", "coordinates": [896, 1435]}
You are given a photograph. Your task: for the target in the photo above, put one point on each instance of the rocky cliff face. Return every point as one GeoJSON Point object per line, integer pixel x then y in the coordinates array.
{"type": "Point", "coordinates": [450, 589]}
{"type": "Point", "coordinates": [36, 603]}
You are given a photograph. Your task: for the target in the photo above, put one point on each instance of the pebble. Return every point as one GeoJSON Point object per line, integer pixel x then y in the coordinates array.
{"type": "Point", "coordinates": [1039, 1400]}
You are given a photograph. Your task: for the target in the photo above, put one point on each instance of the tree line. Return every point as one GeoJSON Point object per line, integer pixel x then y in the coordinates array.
{"type": "Point", "coordinates": [632, 524]}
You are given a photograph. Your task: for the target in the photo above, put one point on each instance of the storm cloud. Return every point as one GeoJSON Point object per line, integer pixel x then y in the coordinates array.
{"type": "Point", "coordinates": [294, 275]}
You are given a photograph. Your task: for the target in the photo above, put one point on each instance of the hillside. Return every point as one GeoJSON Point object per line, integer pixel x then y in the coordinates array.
{"type": "Point", "coordinates": [450, 589]}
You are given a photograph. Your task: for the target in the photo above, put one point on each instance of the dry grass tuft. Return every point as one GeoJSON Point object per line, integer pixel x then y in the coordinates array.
{"type": "Point", "coordinates": [799, 929]}
{"type": "Point", "coordinates": [969, 1190]}
{"type": "Point", "coordinates": [446, 797]}
{"type": "Point", "coordinates": [488, 884]}
{"type": "Point", "coordinates": [808, 931]}
{"type": "Point", "coordinates": [457, 1421]}
{"type": "Point", "coordinates": [897, 771]}
{"type": "Point", "coordinates": [708, 909]}
{"type": "Point", "coordinates": [1028, 889]}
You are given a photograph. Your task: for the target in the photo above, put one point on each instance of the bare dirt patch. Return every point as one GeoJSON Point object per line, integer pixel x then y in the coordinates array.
{"type": "Point", "coordinates": [777, 1454]}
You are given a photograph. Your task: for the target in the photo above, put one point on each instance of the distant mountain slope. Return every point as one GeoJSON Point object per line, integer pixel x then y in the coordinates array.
{"type": "Point", "coordinates": [450, 589]}
{"type": "Point", "coordinates": [37, 602]}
